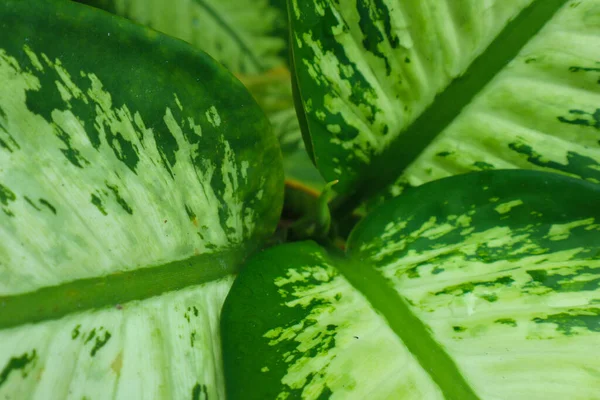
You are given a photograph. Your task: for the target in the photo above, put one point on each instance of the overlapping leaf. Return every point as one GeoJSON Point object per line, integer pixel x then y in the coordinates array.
{"type": "Point", "coordinates": [250, 39]}
{"type": "Point", "coordinates": [509, 95]}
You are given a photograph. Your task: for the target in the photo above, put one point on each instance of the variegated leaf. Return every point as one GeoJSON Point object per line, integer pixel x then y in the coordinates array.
{"type": "Point", "coordinates": [250, 39]}
{"type": "Point", "coordinates": [131, 166]}
{"type": "Point", "coordinates": [480, 286]}
{"type": "Point", "coordinates": [412, 91]}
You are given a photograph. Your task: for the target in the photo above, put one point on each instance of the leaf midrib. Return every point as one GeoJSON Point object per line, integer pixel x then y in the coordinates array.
{"type": "Point", "coordinates": [114, 290]}
{"type": "Point", "coordinates": [448, 105]}
{"type": "Point", "coordinates": [415, 335]}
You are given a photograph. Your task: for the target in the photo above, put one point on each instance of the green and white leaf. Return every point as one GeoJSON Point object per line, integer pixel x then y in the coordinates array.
{"type": "Point", "coordinates": [250, 39]}
{"type": "Point", "coordinates": [493, 295]}
{"type": "Point", "coordinates": [165, 347]}
{"type": "Point", "coordinates": [122, 177]}
{"type": "Point", "coordinates": [541, 112]}
{"type": "Point", "coordinates": [369, 73]}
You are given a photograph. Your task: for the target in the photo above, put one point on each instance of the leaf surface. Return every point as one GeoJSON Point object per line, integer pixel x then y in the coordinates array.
{"type": "Point", "coordinates": [482, 285]}
{"type": "Point", "coordinates": [399, 93]}
{"type": "Point", "coordinates": [250, 39]}
{"type": "Point", "coordinates": [133, 166]}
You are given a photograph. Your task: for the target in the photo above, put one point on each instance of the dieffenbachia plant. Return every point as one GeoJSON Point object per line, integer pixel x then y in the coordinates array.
{"type": "Point", "coordinates": [250, 39]}
{"type": "Point", "coordinates": [136, 175]}
{"type": "Point", "coordinates": [399, 93]}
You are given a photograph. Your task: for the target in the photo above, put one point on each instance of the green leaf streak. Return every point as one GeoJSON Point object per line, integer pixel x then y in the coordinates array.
{"type": "Point", "coordinates": [100, 343]}
{"type": "Point", "coordinates": [124, 150]}
{"type": "Point", "coordinates": [192, 338]}
{"type": "Point", "coordinates": [410, 329]}
{"type": "Point", "coordinates": [576, 319]}
{"type": "Point", "coordinates": [447, 105]}
{"type": "Point", "coordinates": [91, 335]}
{"type": "Point", "coordinates": [198, 390]}
{"type": "Point", "coordinates": [576, 69]}
{"type": "Point", "coordinates": [373, 37]}
{"type": "Point", "coordinates": [47, 204]}
{"type": "Point", "coordinates": [16, 363]}
{"type": "Point", "coordinates": [469, 287]}
{"type": "Point", "coordinates": [113, 290]}
{"type": "Point", "coordinates": [98, 203]}
{"type": "Point", "coordinates": [75, 333]}
{"type": "Point", "coordinates": [576, 163]}
{"type": "Point", "coordinates": [6, 195]}
{"type": "Point", "coordinates": [506, 321]}
{"type": "Point", "coordinates": [120, 200]}
{"type": "Point", "coordinates": [71, 153]}
{"type": "Point", "coordinates": [31, 203]}
{"type": "Point", "coordinates": [566, 282]}
{"type": "Point", "coordinates": [583, 118]}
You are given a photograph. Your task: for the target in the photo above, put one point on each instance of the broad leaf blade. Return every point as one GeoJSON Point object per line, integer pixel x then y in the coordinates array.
{"type": "Point", "coordinates": [131, 165]}
{"type": "Point", "coordinates": [539, 113]}
{"type": "Point", "coordinates": [368, 74]}
{"type": "Point", "coordinates": [164, 347]}
{"type": "Point", "coordinates": [366, 70]}
{"type": "Point", "coordinates": [440, 295]}
{"type": "Point", "coordinates": [297, 329]}
{"type": "Point", "coordinates": [250, 39]}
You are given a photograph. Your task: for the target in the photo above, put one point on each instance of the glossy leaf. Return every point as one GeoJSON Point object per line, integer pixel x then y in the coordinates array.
{"type": "Point", "coordinates": [250, 39]}
{"type": "Point", "coordinates": [483, 285]}
{"type": "Point", "coordinates": [412, 91]}
{"type": "Point", "coordinates": [132, 165]}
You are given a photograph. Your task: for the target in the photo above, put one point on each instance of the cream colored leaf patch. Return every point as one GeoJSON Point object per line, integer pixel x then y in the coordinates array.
{"type": "Point", "coordinates": [165, 347]}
